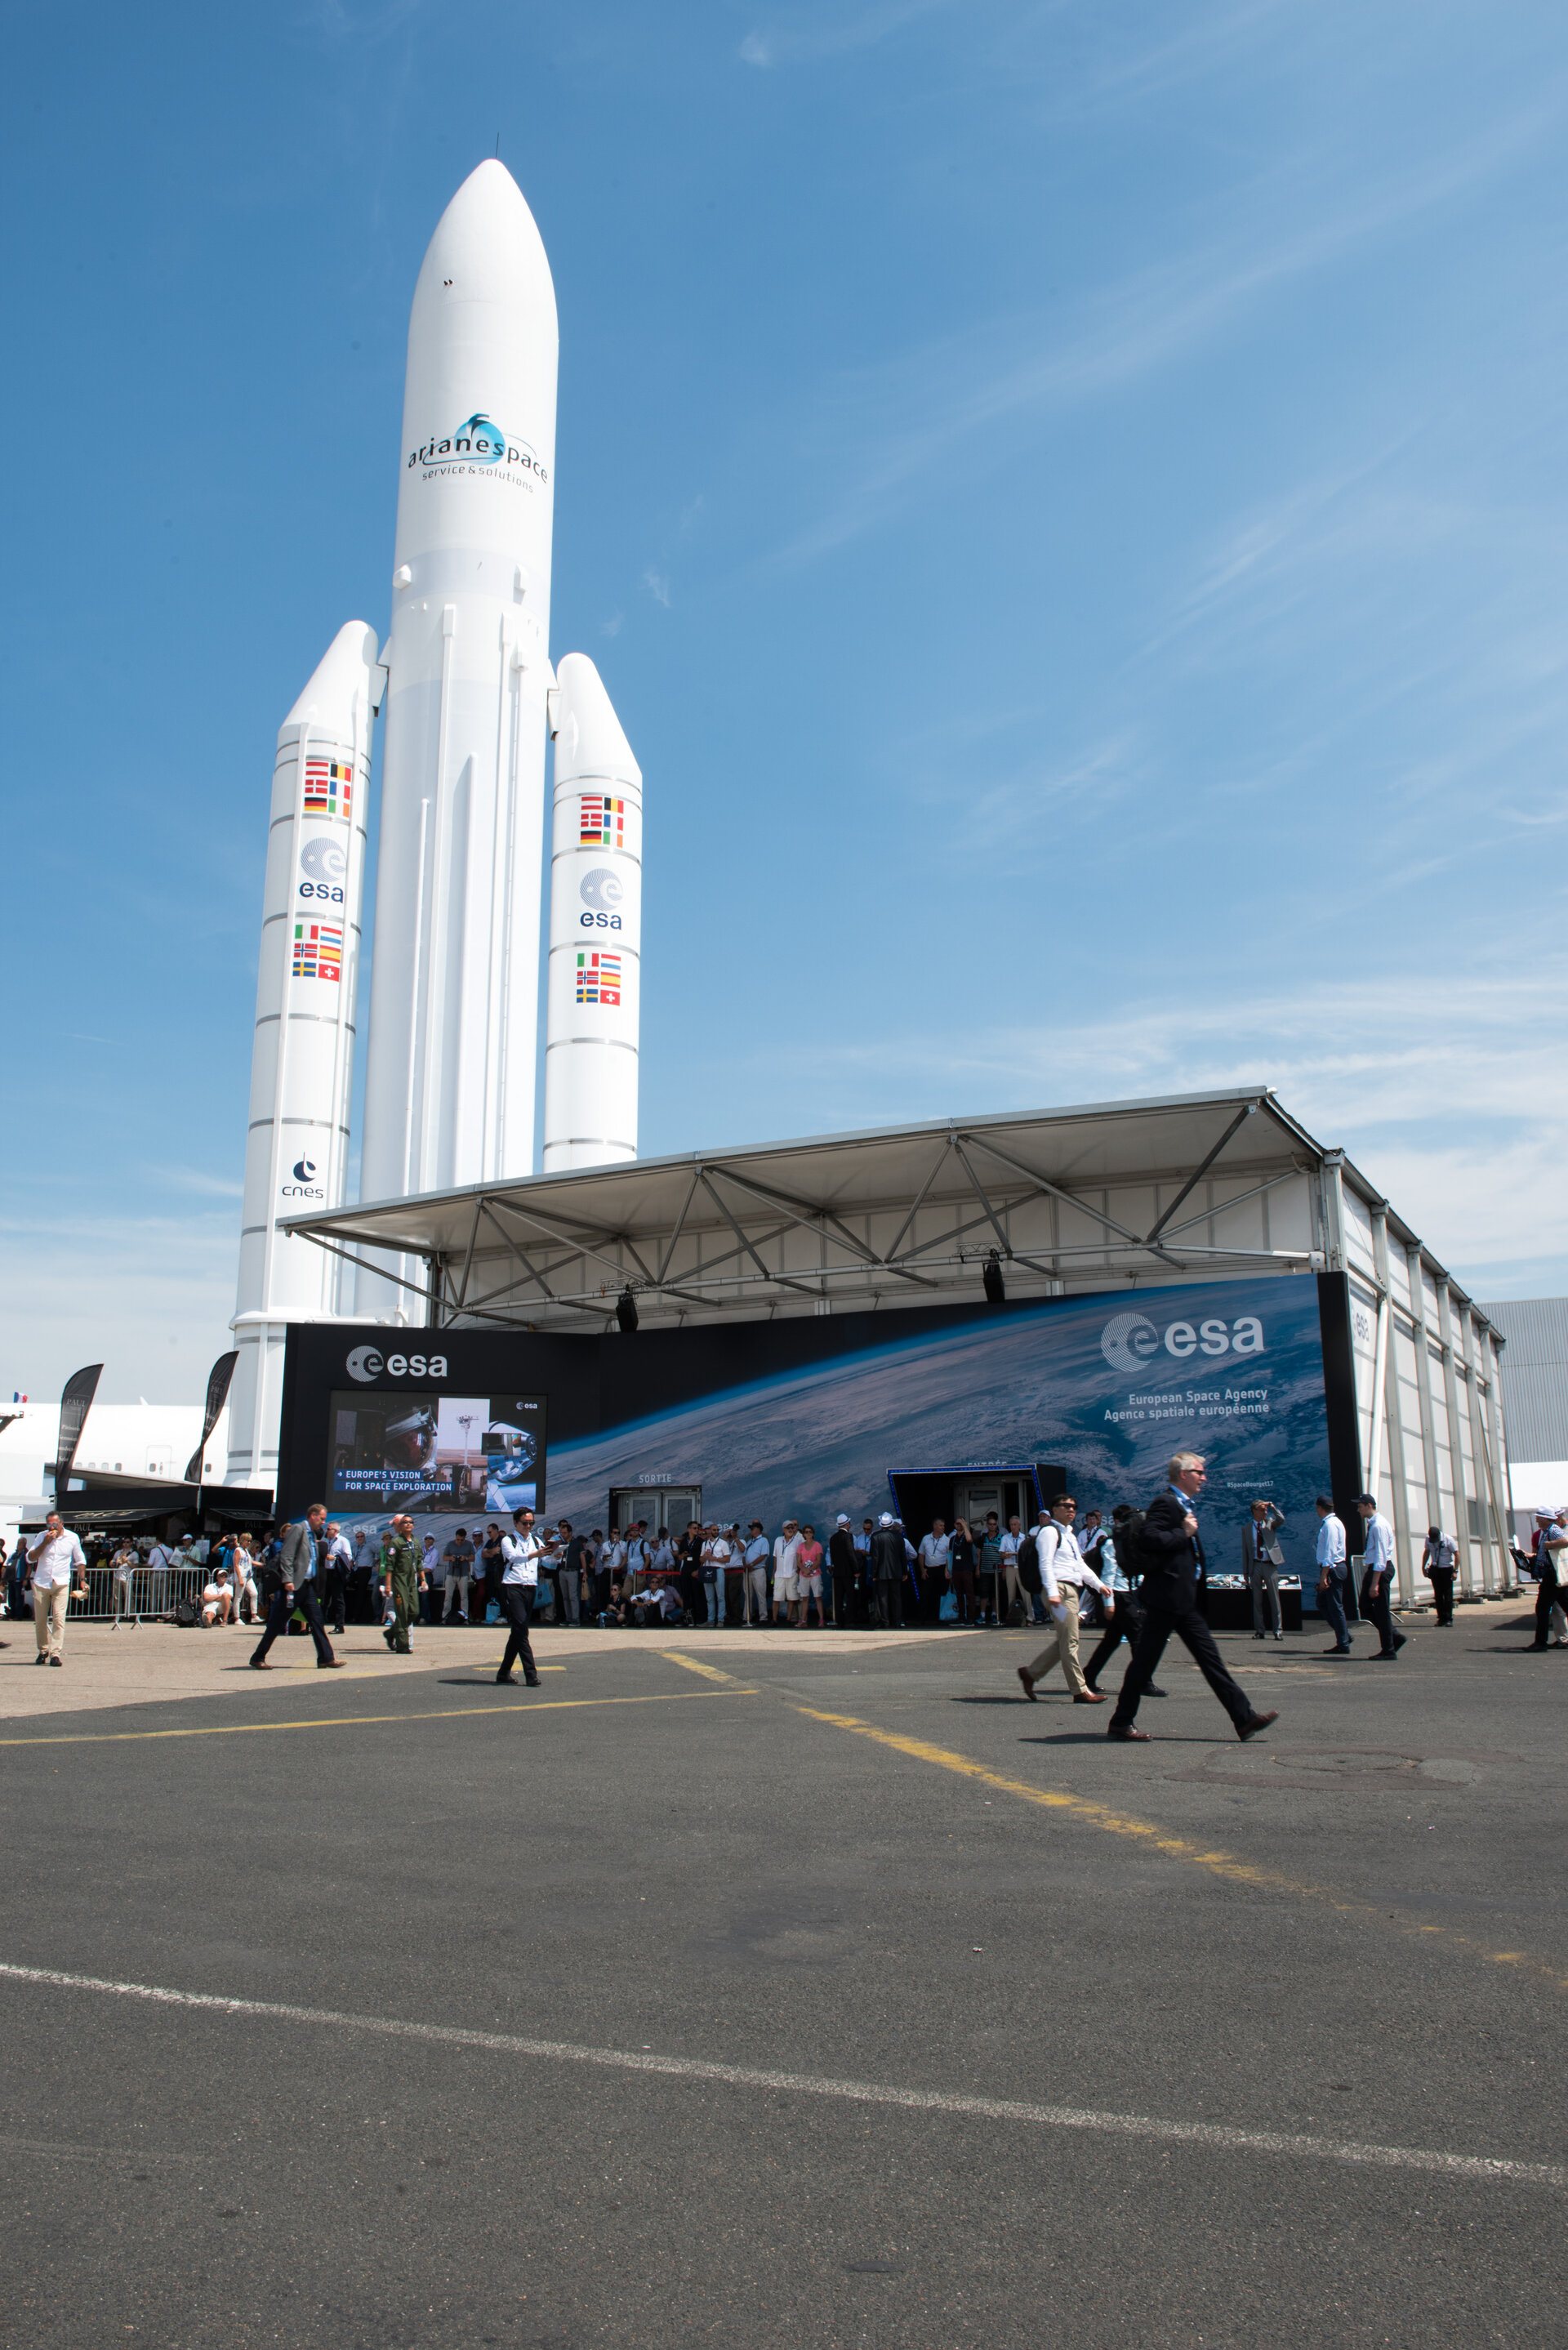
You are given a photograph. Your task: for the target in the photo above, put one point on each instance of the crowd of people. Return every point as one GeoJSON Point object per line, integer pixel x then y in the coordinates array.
{"type": "Point", "coordinates": [1085, 1567]}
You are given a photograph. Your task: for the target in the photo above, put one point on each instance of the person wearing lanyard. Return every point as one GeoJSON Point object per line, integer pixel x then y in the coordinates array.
{"type": "Point", "coordinates": [519, 1582]}
{"type": "Point", "coordinates": [1172, 1552]}
{"type": "Point", "coordinates": [1377, 1577]}
{"type": "Point", "coordinates": [1063, 1572]}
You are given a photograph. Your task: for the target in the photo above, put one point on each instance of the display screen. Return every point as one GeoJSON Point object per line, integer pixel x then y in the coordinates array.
{"type": "Point", "coordinates": [414, 1449]}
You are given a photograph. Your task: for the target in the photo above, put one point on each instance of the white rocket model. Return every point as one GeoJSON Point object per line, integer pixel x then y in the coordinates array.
{"type": "Point", "coordinates": [594, 985]}
{"type": "Point", "coordinates": [450, 1069]}
{"type": "Point", "coordinates": [302, 1061]}
{"type": "Point", "coordinates": [452, 1047]}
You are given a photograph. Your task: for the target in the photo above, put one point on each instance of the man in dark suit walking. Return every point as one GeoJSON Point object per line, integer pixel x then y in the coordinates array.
{"type": "Point", "coordinates": [1171, 1555]}
{"type": "Point", "coordinates": [888, 1574]}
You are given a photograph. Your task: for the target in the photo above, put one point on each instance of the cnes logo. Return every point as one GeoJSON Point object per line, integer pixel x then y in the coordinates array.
{"type": "Point", "coordinates": [304, 1185]}
{"type": "Point", "coordinates": [1129, 1340]}
{"type": "Point", "coordinates": [366, 1364]}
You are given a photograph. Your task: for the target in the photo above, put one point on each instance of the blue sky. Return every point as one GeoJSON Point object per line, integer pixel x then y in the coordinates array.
{"type": "Point", "coordinates": [1068, 500]}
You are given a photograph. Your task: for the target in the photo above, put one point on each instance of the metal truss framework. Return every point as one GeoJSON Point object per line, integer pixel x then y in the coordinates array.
{"type": "Point", "coordinates": [727, 1242]}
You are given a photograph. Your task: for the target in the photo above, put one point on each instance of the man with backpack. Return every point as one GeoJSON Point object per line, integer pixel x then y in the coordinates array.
{"type": "Point", "coordinates": [1115, 1555]}
{"type": "Point", "coordinates": [1063, 1572]}
{"type": "Point", "coordinates": [1171, 1553]}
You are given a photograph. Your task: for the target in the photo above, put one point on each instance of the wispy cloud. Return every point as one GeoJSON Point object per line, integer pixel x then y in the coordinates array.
{"type": "Point", "coordinates": [1448, 1087]}
{"type": "Point", "coordinates": [613, 625]}
{"type": "Point", "coordinates": [658, 587]}
{"type": "Point", "coordinates": [800, 35]}
{"type": "Point", "coordinates": [148, 1296]}
{"type": "Point", "coordinates": [952, 401]}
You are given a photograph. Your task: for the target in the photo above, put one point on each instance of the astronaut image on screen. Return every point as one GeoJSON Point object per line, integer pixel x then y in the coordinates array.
{"type": "Point", "coordinates": [510, 1458]}
{"type": "Point", "coordinates": [442, 1454]}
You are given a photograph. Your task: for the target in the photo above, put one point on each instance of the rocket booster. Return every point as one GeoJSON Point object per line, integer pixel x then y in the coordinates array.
{"type": "Point", "coordinates": [450, 1067]}
{"type": "Point", "coordinates": [302, 1060]}
{"type": "Point", "coordinates": [594, 986]}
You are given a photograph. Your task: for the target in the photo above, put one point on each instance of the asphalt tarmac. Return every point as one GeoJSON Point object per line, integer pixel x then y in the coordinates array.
{"type": "Point", "coordinates": [793, 1997]}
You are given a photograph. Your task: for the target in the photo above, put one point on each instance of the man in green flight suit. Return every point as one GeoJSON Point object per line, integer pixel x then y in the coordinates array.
{"type": "Point", "coordinates": [401, 1577]}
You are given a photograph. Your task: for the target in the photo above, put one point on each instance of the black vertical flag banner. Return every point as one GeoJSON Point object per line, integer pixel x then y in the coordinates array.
{"type": "Point", "coordinates": [218, 1378]}
{"type": "Point", "coordinates": [75, 1399]}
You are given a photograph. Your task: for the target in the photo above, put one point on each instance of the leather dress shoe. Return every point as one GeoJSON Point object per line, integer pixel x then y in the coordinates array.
{"type": "Point", "coordinates": [1126, 1735]}
{"type": "Point", "coordinates": [329, 1664]}
{"type": "Point", "coordinates": [1025, 1676]}
{"type": "Point", "coordinates": [1260, 1722]}
{"type": "Point", "coordinates": [1090, 1696]}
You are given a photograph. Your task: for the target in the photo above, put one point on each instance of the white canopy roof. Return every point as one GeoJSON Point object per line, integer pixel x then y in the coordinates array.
{"type": "Point", "coordinates": [1188, 1186]}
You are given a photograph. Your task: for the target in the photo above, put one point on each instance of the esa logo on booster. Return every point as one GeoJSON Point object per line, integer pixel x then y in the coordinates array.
{"type": "Point", "coordinates": [601, 891]}
{"type": "Point", "coordinates": [366, 1364]}
{"type": "Point", "coordinates": [1129, 1340]}
{"type": "Point", "coordinates": [325, 867]}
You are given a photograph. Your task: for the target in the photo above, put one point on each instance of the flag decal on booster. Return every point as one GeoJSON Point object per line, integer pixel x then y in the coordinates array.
{"type": "Point", "coordinates": [598, 978]}
{"type": "Point", "coordinates": [318, 950]}
{"type": "Point", "coordinates": [328, 786]}
{"type": "Point", "coordinates": [603, 822]}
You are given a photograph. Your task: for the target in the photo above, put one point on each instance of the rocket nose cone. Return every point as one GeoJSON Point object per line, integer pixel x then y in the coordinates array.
{"type": "Point", "coordinates": [591, 740]}
{"type": "Point", "coordinates": [487, 248]}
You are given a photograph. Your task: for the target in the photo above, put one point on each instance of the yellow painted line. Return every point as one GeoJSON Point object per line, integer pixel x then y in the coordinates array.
{"type": "Point", "coordinates": [1173, 1848]}
{"type": "Point", "coordinates": [363, 1721]}
{"type": "Point", "coordinates": [708, 1673]}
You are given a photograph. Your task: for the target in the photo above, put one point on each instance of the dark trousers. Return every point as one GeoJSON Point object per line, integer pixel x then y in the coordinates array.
{"type": "Point", "coordinates": [278, 1614]}
{"type": "Point", "coordinates": [1442, 1595]}
{"type": "Point", "coordinates": [890, 1606]}
{"type": "Point", "coordinates": [1125, 1624]}
{"type": "Point", "coordinates": [1548, 1596]}
{"type": "Point", "coordinates": [1330, 1607]}
{"type": "Point", "coordinates": [963, 1592]}
{"type": "Point", "coordinates": [844, 1608]}
{"type": "Point", "coordinates": [1377, 1606]}
{"type": "Point", "coordinates": [334, 1594]}
{"type": "Point", "coordinates": [515, 1599]}
{"type": "Point", "coordinates": [1265, 1582]}
{"type": "Point", "coordinates": [1160, 1622]}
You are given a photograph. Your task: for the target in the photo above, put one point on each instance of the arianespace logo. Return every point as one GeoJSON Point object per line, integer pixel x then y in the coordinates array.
{"type": "Point", "coordinates": [304, 1185]}
{"type": "Point", "coordinates": [367, 1364]}
{"type": "Point", "coordinates": [479, 446]}
{"type": "Point", "coordinates": [1129, 1341]}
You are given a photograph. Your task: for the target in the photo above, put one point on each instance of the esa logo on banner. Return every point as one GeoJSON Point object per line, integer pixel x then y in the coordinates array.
{"type": "Point", "coordinates": [366, 1364]}
{"type": "Point", "coordinates": [1130, 1341]}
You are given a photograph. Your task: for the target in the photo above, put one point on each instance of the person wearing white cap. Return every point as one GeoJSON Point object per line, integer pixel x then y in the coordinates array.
{"type": "Point", "coordinates": [888, 1573]}
{"type": "Point", "coordinates": [787, 1589]}
{"type": "Point", "coordinates": [754, 1575]}
{"type": "Point", "coordinates": [842, 1564]}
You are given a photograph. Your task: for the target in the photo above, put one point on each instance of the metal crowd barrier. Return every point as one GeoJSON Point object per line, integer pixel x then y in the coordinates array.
{"type": "Point", "coordinates": [152, 1597]}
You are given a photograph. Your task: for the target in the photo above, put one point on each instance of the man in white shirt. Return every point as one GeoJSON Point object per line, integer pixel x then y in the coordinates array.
{"type": "Point", "coordinates": [1010, 1544]}
{"type": "Point", "coordinates": [1063, 1572]}
{"type": "Point", "coordinates": [1331, 1573]}
{"type": "Point", "coordinates": [337, 1566]}
{"type": "Point", "coordinates": [715, 1559]}
{"type": "Point", "coordinates": [754, 1576]}
{"type": "Point", "coordinates": [52, 1558]}
{"type": "Point", "coordinates": [218, 1597]}
{"type": "Point", "coordinates": [787, 1589]}
{"type": "Point", "coordinates": [935, 1552]}
{"type": "Point", "coordinates": [161, 1565]}
{"type": "Point", "coordinates": [523, 1552]}
{"type": "Point", "coordinates": [1377, 1577]}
